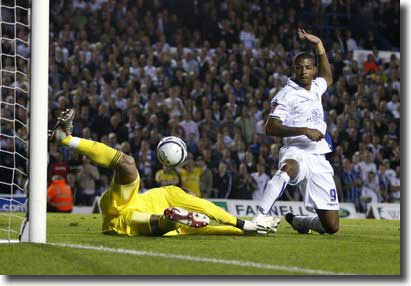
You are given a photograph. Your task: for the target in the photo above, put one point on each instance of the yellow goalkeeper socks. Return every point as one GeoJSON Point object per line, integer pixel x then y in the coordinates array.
{"type": "Point", "coordinates": [97, 152]}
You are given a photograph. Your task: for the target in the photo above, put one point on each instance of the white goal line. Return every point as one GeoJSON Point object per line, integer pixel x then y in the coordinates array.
{"type": "Point", "coordinates": [240, 263]}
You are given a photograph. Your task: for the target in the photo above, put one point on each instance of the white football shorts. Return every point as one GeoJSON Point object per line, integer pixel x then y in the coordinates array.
{"type": "Point", "coordinates": [315, 177]}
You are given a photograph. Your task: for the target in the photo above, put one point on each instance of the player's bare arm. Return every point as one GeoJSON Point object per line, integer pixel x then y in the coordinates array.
{"type": "Point", "coordinates": [325, 69]}
{"type": "Point", "coordinates": [275, 127]}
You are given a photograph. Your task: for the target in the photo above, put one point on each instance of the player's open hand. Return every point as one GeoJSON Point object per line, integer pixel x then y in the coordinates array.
{"type": "Point", "coordinates": [304, 36]}
{"type": "Point", "coordinates": [313, 134]}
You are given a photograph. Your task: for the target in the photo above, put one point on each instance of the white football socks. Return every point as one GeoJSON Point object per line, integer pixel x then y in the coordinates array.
{"type": "Point", "coordinates": [311, 222]}
{"type": "Point", "coordinates": [274, 189]}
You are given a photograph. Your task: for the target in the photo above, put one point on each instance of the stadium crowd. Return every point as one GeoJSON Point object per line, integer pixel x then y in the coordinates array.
{"type": "Point", "coordinates": [136, 71]}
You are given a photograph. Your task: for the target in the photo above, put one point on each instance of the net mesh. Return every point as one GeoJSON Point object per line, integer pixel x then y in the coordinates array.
{"type": "Point", "coordinates": [14, 114]}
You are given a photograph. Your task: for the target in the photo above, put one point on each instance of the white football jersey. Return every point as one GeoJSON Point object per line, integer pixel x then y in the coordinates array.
{"type": "Point", "coordinates": [297, 107]}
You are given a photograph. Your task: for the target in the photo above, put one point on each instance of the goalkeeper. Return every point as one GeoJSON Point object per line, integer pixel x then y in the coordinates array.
{"type": "Point", "coordinates": [160, 211]}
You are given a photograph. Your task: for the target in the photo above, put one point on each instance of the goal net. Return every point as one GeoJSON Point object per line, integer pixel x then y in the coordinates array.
{"type": "Point", "coordinates": [14, 115]}
{"type": "Point", "coordinates": [20, 122]}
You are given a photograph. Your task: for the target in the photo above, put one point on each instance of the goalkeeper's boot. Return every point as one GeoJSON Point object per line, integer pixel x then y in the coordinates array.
{"type": "Point", "coordinates": [267, 224]}
{"type": "Point", "coordinates": [290, 218]}
{"type": "Point", "coordinates": [63, 126]}
{"type": "Point", "coordinates": [189, 218]}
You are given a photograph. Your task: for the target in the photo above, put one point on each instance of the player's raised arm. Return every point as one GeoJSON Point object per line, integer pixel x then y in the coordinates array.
{"type": "Point", "coordinates": [325, 69]}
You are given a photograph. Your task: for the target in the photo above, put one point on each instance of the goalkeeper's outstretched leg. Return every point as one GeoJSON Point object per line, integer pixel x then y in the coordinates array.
{"type": "Point", "coordinates": [127, 212]}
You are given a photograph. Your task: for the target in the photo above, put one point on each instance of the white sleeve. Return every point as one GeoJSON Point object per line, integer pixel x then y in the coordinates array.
{"type": "Point", "coordinates": [279, 107]}
{"type": "Point", "coordinates": [321, 85]}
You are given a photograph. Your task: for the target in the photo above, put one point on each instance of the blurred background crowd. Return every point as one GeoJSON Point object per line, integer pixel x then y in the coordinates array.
{"type": "Point", "coordinates": [206, 71]}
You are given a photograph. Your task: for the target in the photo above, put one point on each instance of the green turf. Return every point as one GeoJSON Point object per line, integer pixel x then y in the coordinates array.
{"type": "Point", "coordinates": [360, 247]}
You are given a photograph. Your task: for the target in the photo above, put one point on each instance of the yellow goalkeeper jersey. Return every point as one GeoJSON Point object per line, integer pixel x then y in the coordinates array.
{"type": "Point", "coordinates": [120, 202]}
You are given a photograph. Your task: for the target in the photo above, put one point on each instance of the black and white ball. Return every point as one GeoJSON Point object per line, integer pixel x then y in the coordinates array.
{"type": "Point", "coordinates": [171, 151]}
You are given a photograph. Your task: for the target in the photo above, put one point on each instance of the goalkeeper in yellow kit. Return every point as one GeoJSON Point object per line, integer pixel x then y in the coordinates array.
{"type": "Point", "coordinates": [160, 211]}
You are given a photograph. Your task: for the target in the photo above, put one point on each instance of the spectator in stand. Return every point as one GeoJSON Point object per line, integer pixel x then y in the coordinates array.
{"type": "Point", "coordinates": [190, 65]}
{"type": "Point", "coordinates": [103, 185]}
{"type": "Point", "coordinates": [366, 166]}
{"type": "Point", "coordinates": [150, 70]}
{"type": "Point", "coordinates": [228, 122]}
{"type": "Point", "coordinates": [192, 146]}
{"type": "Point", "coordinates": [247, 36]}
{"type": "Point", "coordinates": [174, 102]}
{"type": "Point", "coordinates": [206, 180]}
{"type": "Point", "coordinates": [394, 106]}
{"type": "Point", "coordinates": [112, 140]}
{"type": "Point", "coordinates": [87, 176]}
{"type": "Point", "coordinates": [349, 182]}
{"type": "Point", "coordinates": [272, 158]}
{"type": "Point", "coordinates": [57, 165]}
{"type": "Point", "coordinates": [261, 178]}
{"type": "Point", "coordinates": [244, 185]}
{"type": "Point", "coordinates": [370, 65]}
{"type": "Point", "coordinates": [350, 42]}
{"type": "Point", "coordinates": [239, 149]}
{"type": "Point", "coordinates": [246, 123]}
{"type": "Point", "coordinates": [370, 192]}
{"type": "Point", "coordinates": [72, 182]}
{"type": "Point", "coordinates": [216, 111]}
{"type": "Point", "coordinates": [395, 186]}
{"type": "Point", "coordinates": [132, 123]}
{"type": "Point", "coordinates": [118, 129]}
{"type": "Point", "coordinates": [227, 137]}
{"type": "Point", "coordinates": [392, 179]}
{"type": "Point", "coordinates": [208, 126]}
{"type": "Point", "coordinates": [190, 175]}
{"type": "Point", "coordinates": [223, 181]}
{"type": "Point", "coordinates": [189, 126]}
{"type": "Point", "coordinates": [249, 160]}
{"type": "Point", "coordinates": [167, 176]}
{"type": "Point", "coordinates": [374, 184]}
{"type": "Point", "coordinates": [59, 196]}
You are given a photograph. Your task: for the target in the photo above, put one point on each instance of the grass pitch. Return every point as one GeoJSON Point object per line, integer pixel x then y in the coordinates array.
{"type": "Point", "coordinates": [360, 247]}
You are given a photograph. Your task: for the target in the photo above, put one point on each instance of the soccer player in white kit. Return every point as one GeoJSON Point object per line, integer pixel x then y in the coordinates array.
{"type": "Point", "coordinates": [297, 115]}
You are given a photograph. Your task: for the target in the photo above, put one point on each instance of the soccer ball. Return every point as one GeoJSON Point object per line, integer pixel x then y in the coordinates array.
{"type": "Point", "coordinates": [171, 151]}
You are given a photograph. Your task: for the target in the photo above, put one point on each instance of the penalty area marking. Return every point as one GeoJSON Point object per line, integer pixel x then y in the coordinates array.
{"type": "Point", "coordinates": [240, 263]}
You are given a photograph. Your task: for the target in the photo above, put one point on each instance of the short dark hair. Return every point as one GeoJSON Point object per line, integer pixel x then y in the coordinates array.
{"type": "Point", "coordinates": [304, 55]}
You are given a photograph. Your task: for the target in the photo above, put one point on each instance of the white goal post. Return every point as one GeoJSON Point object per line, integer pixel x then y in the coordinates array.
{"type": "Point", "coordinates": [24, 36]}
{"type": "Point", "coordinates": [38, 121]}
